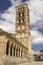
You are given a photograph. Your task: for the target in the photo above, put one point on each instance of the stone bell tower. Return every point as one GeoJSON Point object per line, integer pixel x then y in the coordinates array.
{"type": "Point", "coordinates": [23, 26]}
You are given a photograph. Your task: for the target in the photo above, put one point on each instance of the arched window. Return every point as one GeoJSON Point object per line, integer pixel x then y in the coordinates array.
{"type": "Point", "coordinates": [11, 48]}
{"type": "Point", "coordinates": [7, 47]}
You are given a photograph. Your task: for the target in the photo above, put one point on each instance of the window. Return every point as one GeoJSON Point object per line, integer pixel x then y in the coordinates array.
{"type": "Point", "coordinates": [19, 20]}
{"type": "Point", "coordinates": [21, 13]}
{"type": "Point", "coordinates": [7, 48]}
{"type": "Point", "coordinates": [14, 51]}
{"type": "Point", "coordinates": [23, 19]}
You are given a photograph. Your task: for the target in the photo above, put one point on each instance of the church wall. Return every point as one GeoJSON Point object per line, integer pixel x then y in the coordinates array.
{"type": "Point", "coordinates": [2, 46]}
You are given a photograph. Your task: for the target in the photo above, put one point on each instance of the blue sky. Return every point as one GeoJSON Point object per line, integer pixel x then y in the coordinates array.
{"type": "Point", "coordinates": [7, 19]}
{"type": "Point", "coordinates": [4, 5]}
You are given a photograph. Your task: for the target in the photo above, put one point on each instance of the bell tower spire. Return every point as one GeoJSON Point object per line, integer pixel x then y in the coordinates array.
{"type": "Point", "coordinates": [23, 26]}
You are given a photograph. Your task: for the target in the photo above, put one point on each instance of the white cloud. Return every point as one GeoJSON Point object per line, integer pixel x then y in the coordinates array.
{"type": "Point", "coordinates": [37, 37]}
{"type": "Point", "coordinates": [37, 52]}
{"type": "Point", "coordinates": [36, 19]}
{"type": "Point", "coordinates": [9, 17]}
{"type": "Point", "coordinates": [36, 10]}
{"type": "Point", "coordinates": [6, 26]}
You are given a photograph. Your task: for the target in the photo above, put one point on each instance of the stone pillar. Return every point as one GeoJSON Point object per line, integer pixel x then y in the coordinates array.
{"type": "Point", "coordinates": [9, 51]}
{"type": "Point", "coordinates": [20, 53]}
{"type": "Point", "coordinates": [23, 53]}
{"type": "Point", "coordinates": [12, 51]}
{"type": "Point", "coordinates": [15, 52]}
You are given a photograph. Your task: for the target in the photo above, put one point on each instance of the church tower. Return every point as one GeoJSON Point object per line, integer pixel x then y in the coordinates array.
{"type": "Point", "coordinates": [23, 26]}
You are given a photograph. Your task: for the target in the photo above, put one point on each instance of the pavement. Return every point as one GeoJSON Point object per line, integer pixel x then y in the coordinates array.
{"type": "Point", "coordinates": [32, 63]}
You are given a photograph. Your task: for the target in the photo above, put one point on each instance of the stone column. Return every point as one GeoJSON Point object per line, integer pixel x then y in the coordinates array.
{"type": "Point", "coordinates": [12, 51]}
{"type": "Point", "coordinates": [23, 53]}
{"type": "Point", "coordinates": [20, 53]}
{"type": "Point", "coordinates": [15, 52]}
{"type": "Point", "coordinates": [9, 51]}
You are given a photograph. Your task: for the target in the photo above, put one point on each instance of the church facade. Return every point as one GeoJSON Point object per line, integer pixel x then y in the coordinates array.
{"type": "Point", "coordinates": [17, 47]}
